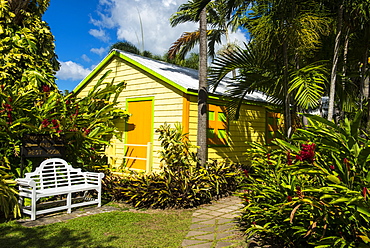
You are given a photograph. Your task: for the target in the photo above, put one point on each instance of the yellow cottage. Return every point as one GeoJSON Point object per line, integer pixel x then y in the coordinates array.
{"type": "Point", "coordinates": [159, 92]}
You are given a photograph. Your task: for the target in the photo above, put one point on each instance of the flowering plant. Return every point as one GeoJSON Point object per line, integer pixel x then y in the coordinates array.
{"type": "Point", "coordinates": [311, 190]}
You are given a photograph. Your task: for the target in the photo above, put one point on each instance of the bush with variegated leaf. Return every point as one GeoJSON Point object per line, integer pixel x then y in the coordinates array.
{"type": "Point", "coordinates": [312, 191]}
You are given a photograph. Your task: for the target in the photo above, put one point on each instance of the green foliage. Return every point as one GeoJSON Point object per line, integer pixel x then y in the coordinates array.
{"type": "Point", "coordinates": [86, 123]}
{"type": "Point", "coordinates": [126, 46]}
{"type": "Point", "coordinates": [182, 183]}
{"type": "Point", "coordinates": [312, 190]}
{"type": "Point", "coordinates": [27, 47]}
{"type": "Point", "coordinates": [176, 153]}
{"type": "Point", "coordinates": [8, 201]}
{"type": "Point", "coordinates": [111, 185]}
{"type": "Point", "coordinates": [31, 103]}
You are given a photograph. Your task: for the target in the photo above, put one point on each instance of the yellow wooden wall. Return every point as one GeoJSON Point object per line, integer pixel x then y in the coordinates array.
{"type": "Point", "coordinates": [251, 126]}
{"type": "Point", "coordinates": [168, 102]}
{"type": "Point", "coordinates": [171, 106]}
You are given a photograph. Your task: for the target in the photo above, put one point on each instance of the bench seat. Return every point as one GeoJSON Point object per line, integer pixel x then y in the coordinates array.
{"type": "Point", "coordinates": [56, 177]}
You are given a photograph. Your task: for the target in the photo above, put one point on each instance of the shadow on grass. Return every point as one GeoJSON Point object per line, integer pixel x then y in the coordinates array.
{"type": "Point", "coordinates": [66, 234]}
{"type": "Point", "coordinates": [118, 229]}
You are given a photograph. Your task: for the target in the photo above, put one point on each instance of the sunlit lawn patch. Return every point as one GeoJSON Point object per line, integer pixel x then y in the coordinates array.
{"type": "Point", "coordinates": [114, 229]}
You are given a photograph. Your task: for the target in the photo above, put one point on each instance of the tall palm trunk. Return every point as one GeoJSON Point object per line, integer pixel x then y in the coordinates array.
{"type": "Point", "coordinates": [334, 69]}
{"type": "Point", "coordinates": [287, 112]}
{"type": "Point", "coordinates": [344, 69]}
{"type": "Point", "coordinates": [364, 77]}
{"type": "Point", "coordinates": [203, 90]}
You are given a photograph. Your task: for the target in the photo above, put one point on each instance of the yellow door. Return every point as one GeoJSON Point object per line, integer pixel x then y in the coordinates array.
{"type": "Point", "coordinates": [139, 132]}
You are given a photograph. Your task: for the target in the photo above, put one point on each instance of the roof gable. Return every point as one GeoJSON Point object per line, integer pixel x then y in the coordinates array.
{"type": "Point", "coordinates": [182, 78]}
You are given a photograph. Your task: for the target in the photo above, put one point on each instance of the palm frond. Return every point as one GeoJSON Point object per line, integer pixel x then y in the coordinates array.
{"type": "Point", "coordinates": [185, 13]}
{"type": "Point", "coordinates": [214, 37]}
{"type": "Point", "coordinates": [185, 42]}
{"type": "Point", "coordinates": [308, 85]}
{"type": "Point", "coordinates": [188, 40]}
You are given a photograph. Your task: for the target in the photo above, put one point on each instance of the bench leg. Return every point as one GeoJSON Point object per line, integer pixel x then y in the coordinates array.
{"type": "Point", "coordinates": [33, 208]}
{"type": "Point", "coordinates": [99, 198]}
{"type": "Point", "coordinates": [21, 202]}
{"type": "Point", "coordinates": [69, 203]}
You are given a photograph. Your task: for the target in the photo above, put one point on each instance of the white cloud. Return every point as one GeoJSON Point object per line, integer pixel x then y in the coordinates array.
{"type": "Point", "coordinates": [86, 58]}
{"type": "Point", "coordinates": [99, 51]}
{"type": "Point", "coordinates": [124, 16]}
{"type": "Point", "coordinates": [70, 70]}
{"type": "Point", "coordinates": [99, 34]}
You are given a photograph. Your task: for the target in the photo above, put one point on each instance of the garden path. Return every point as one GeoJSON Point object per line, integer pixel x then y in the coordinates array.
{"type": "Point", "coordinates": [215, 225]}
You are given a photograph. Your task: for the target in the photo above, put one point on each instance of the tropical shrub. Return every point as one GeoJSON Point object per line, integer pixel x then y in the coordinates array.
{"type": "Point", "coordinates": [8, 200]}
{"type": "Point", "coordinates": [182, 182]}
{"type": "Point", "coordinates": [313, 190]}
{"type": "Point", "coordinates": [30, 102]}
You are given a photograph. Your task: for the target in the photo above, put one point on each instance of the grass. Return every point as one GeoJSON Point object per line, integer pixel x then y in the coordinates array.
{"type": "Point", "coordinates": [114, 229]}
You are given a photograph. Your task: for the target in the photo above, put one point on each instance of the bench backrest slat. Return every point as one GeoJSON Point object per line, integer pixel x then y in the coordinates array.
{"type": "Point", "coordinates": [54, 173]}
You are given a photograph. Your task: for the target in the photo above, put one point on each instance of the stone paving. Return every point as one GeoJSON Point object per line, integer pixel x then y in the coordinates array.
{"type": "Point", "coordinates": [215, 225]}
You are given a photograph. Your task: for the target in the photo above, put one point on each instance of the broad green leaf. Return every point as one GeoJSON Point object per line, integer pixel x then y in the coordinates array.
{"type": "Point", "coordinates": [333, 179]}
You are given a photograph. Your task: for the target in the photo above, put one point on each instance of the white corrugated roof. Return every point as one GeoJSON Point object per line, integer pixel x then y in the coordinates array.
{"type": "Point", "coordinates": [182, 76]}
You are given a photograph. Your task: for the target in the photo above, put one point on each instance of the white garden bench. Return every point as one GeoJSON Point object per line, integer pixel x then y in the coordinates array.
{"type": "Point", "coordinates": [56, 177]}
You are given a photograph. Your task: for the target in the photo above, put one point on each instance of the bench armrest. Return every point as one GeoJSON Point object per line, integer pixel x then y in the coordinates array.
{"type": "Point", "coordinates": [26, 182]}
{"type": "Point", "coordinates": [94, 174]}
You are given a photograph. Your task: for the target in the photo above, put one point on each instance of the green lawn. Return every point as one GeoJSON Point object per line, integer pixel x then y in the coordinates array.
{"type": "Point", "coordinates": [113, 229]}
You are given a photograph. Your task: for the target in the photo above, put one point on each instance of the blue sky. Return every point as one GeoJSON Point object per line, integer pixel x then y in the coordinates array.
{"type": "Point", "coordinates": [85, 29]}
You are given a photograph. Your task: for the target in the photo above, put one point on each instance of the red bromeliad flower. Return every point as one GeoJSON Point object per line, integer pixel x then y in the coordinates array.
{"type": "Point", "coordinates": [289, 159]}
{"type": "Point", "coordinates": [268, 158]}
{"type": "Point", "coordinates": [331, 167]}
{"type": "Point", "coordinates": [364, 192]}
{"type": "Point", "coordinates": [246, 173]}
{"type": "Point", "coordinates": [8, 108]}
{"type": "Point", "coordinates": [289, 198]}
{"type": "Point", "coordinates": [86, 130]}
{"type": "Point", "coordinates": [45, 88]}
{"type": "Point", "coordinates": [307, 153]}
{"type": "Point", "coordinates": [10, 118]}
{"type": "Point", "coordinates": [55, 124]}
{"type": "Point", "coordinates": [346, 163]}
{"type": "Point", "coordinates": [45, 123]}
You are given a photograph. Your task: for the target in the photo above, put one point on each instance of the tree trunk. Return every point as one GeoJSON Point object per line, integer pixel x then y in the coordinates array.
{"type": "Point", "coordinates": [287, 113]}
{"type": "Point", "coordinates": [334, 69]}
{"type": "Point", "coordinates": [344, 69]}
{"type": "Point", "coordinates": [364, 77]}
{"type": "Point", "coordinates": [203, 91]}
{"type": "Point", "coordinates": [16, 6]}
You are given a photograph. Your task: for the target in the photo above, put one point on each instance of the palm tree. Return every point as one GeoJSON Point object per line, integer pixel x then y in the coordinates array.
{"type": "Point", "coordinates": [333, 76]}
{"type": "Point", "coordinates": [203, 90]}
{"type": "Point", "coordinates": [284, 34]}
{"type": "Point", "coordinates": [203, 87]}
{"type": "Point", "coordinates": [351, 47]}
{"type": "Point", "coordinates": [216, 18]}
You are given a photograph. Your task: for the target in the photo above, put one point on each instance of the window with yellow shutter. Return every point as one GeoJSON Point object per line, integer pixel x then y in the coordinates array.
{"type": "Point", "coordinates": [217, 125]}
